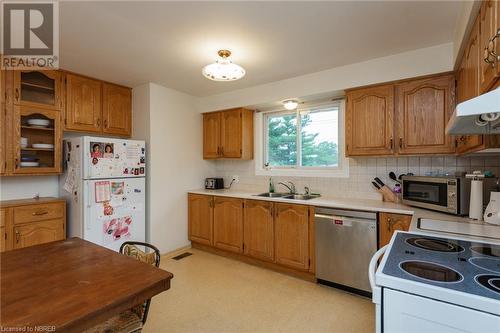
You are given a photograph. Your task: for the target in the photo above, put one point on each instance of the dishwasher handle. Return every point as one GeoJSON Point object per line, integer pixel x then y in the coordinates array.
{"type": "Point", "coordinates": [328, 217]}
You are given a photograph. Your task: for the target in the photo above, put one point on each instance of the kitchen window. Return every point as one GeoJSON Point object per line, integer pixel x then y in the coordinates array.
{"type": "Point", "coordinates": [304, 142]}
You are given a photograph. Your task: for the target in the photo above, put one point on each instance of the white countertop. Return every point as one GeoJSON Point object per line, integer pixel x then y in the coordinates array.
{"type": "Point", "coordinates": [447, 224]}
{"type": "Point", "coordinates": [345, 203]}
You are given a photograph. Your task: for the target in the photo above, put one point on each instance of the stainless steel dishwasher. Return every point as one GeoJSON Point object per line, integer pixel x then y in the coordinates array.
{"type": "Point", "coordinates": [345, 242]}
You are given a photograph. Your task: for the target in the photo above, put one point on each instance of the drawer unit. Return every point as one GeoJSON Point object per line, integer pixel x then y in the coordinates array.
{"type": "Point", "coordinates": [41, 212]}
{"type": "Point", "coordinates": [29, 222]}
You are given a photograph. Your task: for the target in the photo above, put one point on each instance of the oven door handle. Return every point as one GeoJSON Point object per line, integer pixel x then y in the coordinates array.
{"type": "Point", "coordinates": [372, 268]}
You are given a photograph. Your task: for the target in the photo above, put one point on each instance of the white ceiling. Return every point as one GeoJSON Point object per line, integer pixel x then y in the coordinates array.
{"type": "Point", "coordinates": [169, 42]}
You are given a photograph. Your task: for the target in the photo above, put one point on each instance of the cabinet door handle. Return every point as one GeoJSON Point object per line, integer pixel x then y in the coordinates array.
{"type": "Point", "coordinates": [105, 123]}
{"type": "Point", "coordinates": [98, 122]}
{"type": "Point", "coordinates": [218, 151]}
{"type": "Point", "coordinates": [401, 143]}
{"type": "Point", "coordinates": [391, 143]}
{"type": "Point", "coordinates": [17, 163]}
{"type": "Point", "coordinates": [18, 235]}
{"type": "Point", "coordinates": [40, 212]}
{"type": "Point", "coordinates": [17, 95]}
{"type": "Point", "coordinates": [222, 151]}
{"type": "Point", "coordinates": [389, 224]}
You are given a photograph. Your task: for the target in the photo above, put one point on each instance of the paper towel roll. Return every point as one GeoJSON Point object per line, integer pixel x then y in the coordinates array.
{"type": "Point", "coordinates": [476, 200]}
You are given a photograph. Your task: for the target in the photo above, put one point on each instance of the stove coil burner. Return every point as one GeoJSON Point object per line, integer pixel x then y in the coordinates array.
{"type": "Point", "coordinates": [489, 264]}
{"type": "Point", "coordinates": [487, 250]}
{"type": "Point", "coordinates": [431, 271]}
{"type": "Point", "coordinates": [489, 281]}
{"type": "Point", "coordinates": [432, 244]}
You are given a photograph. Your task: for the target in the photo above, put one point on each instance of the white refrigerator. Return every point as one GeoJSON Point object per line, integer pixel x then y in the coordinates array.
{"type": "Point", "coordinates": [104, 186]}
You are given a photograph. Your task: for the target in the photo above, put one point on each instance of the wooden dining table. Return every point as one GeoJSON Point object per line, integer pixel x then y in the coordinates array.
{"type": "Point", "coordinates": [71, 285]}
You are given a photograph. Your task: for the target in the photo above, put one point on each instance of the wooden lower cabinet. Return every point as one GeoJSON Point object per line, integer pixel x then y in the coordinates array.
{"type": "Point", "coordinates": [228, 224]}
{"type": "Point", "coordinates": [259, 229]}
{"type": "Point", "coordinates": [3, 230]}
{"type": "Point", "coordinates": [275, 235]}
{"type": "Point", "coordinates": [200, 218]}
{"type": "Point", "coordinates": [389, 223]}
{"type": "Point", "coordinates": [31, 222]}
{"type": "Point", "coordinates": [292, 235]}
{"type": "Point", "coordinates": [29, 234]}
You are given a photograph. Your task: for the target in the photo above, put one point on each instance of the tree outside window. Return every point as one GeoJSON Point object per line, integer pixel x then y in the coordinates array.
{"type": "Point", "coordinates": [315, 147]}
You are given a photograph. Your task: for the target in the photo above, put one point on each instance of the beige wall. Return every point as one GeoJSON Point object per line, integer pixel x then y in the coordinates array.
{"type": "Point", "coordinates": [174, 139]}
{"type": "Point", "coordinates": [27, 187]}
{"type": "Point", "coordinates": [361, 174]}
{"type": "Point", "coordinates": [333, 81]}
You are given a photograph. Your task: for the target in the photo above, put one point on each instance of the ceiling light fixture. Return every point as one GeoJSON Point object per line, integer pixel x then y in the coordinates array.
{"type": "Point", "coordinates": [223, 69]}
{"type": "Point", "coordinates": [290, 104]}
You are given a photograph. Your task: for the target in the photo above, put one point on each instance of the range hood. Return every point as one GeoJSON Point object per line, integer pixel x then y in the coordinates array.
{"type": "Point", "coordinates": [479, 115]}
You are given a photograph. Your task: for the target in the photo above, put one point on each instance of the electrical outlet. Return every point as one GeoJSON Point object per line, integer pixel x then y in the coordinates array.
{"type": "Point", "coordinates": [236, 178]}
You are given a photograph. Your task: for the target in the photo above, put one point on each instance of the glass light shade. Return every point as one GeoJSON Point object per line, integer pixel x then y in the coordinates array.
{"type": "Point", "coordinates": [290, 104]}
{"type": "Point", "coordinates": [223, 70]}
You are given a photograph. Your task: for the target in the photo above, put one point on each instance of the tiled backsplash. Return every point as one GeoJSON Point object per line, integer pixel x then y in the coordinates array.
{"type": "Point", "coordinates": [361, 173]}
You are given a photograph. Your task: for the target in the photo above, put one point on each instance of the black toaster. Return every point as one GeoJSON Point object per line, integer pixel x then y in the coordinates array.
{"type": "Point", "coordinates": [214, 183]}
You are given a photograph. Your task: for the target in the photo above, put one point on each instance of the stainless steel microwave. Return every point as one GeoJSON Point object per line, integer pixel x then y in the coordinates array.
{"type": "Point", "coordinates": [444, 194]}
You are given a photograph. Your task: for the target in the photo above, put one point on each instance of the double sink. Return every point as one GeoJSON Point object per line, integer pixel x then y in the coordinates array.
{"type": "Point", "coordinates": [289, 196]}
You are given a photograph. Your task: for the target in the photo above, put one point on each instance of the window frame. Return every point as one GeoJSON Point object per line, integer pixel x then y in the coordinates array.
{"type": "Point", "coordinates": [261, 136]}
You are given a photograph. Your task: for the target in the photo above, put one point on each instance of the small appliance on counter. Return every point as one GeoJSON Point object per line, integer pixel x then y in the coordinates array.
{"type": "Point", "coordinates": [492, 212]}
{"type": "Point", "coordinates": [476, 195]}
{"type": "Point", "coordinates": [214, 183]}
{"type": "Point", "coordinates": [447, 194]}
{"type": "Point", "coordinates": [436, 284]}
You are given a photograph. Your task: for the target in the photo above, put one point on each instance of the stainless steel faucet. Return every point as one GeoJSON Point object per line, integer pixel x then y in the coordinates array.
{"type": "Point", "coordinates": [306, 190]}
{"type": "Point", "coordinates": [290, 187]}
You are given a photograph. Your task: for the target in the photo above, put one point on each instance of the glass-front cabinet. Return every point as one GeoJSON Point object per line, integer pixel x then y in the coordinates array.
{"type": "Point", "coordinates": [38, 89]}
{"type": "Point", "coordinates": [36, 140]}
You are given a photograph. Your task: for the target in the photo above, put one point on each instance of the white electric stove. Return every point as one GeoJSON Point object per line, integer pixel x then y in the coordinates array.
{"type": "Point", "coordinates": [429, 283]}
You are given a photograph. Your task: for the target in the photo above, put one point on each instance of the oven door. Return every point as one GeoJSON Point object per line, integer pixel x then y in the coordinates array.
{"type": "Point", "coordinates": [426, 192]}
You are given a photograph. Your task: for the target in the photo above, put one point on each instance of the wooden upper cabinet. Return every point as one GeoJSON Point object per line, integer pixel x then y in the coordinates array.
{"type": "Point", "coordinates": [3, 126]}
{"type": "Point", "coordinates": [369, 121]}
{"type": "Point", "coordinates": [83, 104]}
{"type": "Point", "coordinates": [228, 224]}
{"type": "Point", "coordinates": [489, 26]}
{"type": "Point", "coordinates": [200, 218]}
{"type": "Point", "coordinates": [259, 229]}
{"type": "Point", "coordinates": [423, 109]}
{"type": "Point", "coordinates": [230, 129]}
{"type": "Point", "coordinates": [38, 89]}
{"type": "Point", "coordinates": [48, 157]}
{"type": "Point", "coordinates": [389, 223]}
{"type": "Point", "coordinates": [472, 59]}
{"type": "Point", "coordinates": [211, 135]}
{"type": "Point", "coordinates": [292, 235]}
{"type": "Point", "coordinates": [228, 134]}
{"type": "Point", "coordinates": [116, 110]}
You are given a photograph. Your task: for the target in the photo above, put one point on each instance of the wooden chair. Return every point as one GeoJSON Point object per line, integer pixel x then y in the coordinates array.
{"type": "Point", "coordinates": [131, 321]}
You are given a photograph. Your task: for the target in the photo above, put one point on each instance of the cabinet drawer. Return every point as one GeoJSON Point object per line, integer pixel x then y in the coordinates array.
{"type": "Point", "coordinates": [38, 212]}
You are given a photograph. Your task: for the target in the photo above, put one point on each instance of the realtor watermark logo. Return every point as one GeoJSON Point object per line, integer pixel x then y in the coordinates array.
{"type": "Point", "coordinates": [30, 35]}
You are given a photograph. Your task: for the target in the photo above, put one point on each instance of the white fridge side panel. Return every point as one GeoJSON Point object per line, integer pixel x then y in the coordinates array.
{"type": "Point", "coordinates": [72, 189]}
{"type": "Point", "coordinates": [111, 222]}
{"type": "Point", "coordinates": [113, 158]}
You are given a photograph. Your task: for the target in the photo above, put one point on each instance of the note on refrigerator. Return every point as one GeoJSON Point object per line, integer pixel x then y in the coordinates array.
{"type": "Point", "coordinates": [69, 184]}
{"type": "Point", "coordinates": [102, 191]}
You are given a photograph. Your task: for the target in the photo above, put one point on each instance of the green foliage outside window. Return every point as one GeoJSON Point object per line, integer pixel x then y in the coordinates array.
{"type": "Point", "coordinates": [282, 143]}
